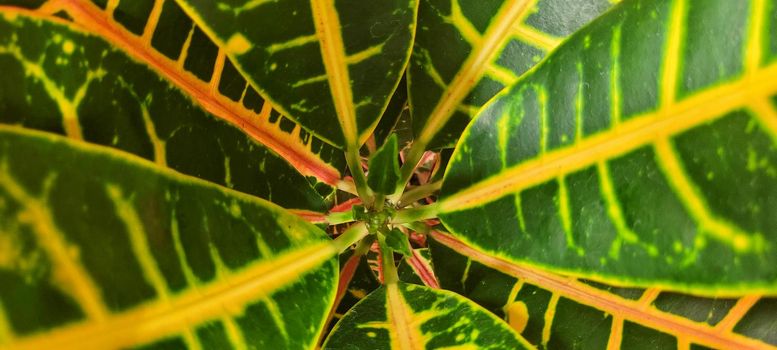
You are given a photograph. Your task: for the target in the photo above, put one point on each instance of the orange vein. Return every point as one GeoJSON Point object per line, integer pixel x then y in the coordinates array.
{"type": "Point", "coordinates": [309, 215]}
{"type": "Point", "coordinates": [406, 337]}
{"type": "Point", "coordinates": [346, 275]}
{"type": "Point", "coordinates": [616, 334]}
{"type": "Point", "coordinates": [218, 68]}
{"type": "Point", "coordinates": [423, 270]}
{"type": "Point", "coordinates": [92, 19]}
{"type": "Point", "coordinates": [333, 54]}
{"type": "Point", "coordinates": [649, 296]}
{"type": "Point", "coordinates": [631, 310]}
{"type": "Point", "coordinates": [153, 20]}
{"type": "Point", "coordinates": [736, 313]}
{"type": "Point", "coordinates": [327, 23]}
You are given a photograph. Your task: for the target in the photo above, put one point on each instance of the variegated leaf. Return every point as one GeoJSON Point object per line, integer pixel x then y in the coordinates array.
{"type": "Point", "coordinates": [64, 81]}
{"type": "Point", "coordinates": [331, 65]}
{"type": "Point", "coordinates": [467, 51]}
{"type": "Point", "coordinates": [653, 167]}
{"type": "Point", "coordinates": [100, 249]}
{"type": "Point", "coordinates": [408, 316]}
{"type": "Point", "coordinates": [417, 269]}
{"type": "Point", "coordinates": [553, 312]}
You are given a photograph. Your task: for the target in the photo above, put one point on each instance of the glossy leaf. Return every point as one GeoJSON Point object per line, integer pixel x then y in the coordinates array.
{"type": "Point", "coordinates": [553, 312]}
{"type": "Point", "coordinates": [332, 66]}
{"type": "Point", "coordinates": [128, 254]}
{"type": "Point", "coordinates": [390, 121]}
{"type": "Point", "coordinates": [62, 80]}
{"type": "Point", "coordinates": [397, 241]}
{"type": "Point", "coordinates": [384, 167]}
{"type": "Point", "coordinates": [488, 287]}
{"type": "Point", "coordinates": [159, 34]}
{"type": "Point", "coordinates": [417, 269]}
{"type": "Point", "coordinates": [362, 282]}
{"type": "Point", "coordinates": [654, 167]}
{"type": "Point", "coordinates": [408, 316]}
{"type": "Point", "coordinates": [467, 51]}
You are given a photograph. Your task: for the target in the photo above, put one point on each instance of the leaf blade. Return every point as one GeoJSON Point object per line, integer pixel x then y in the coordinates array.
{"type": "Point", "coordinates": [397, 241]}
{"type": "Point", "coordinates": [554, 143]}
{"type": "Point", "coordinates": [394, 316]}
{"type": "Point", "coordinates": [319, 89]}
{"type": "Point", "coordinates": [687, 318]}
{"type": "Point", "coordinates": [255, 270]}
{"type": "Point", "coordinates": [384, 167]}
{"type": "Point", "coordinates": [150, 118]}
{"type": "Point", "coordinates": [502, 42]}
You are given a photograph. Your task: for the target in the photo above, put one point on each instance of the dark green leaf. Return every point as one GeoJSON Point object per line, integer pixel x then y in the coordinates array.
{"type": "Point", "coordinates": [384, 167]}
{"type": "Point", "coordinates": [100, 249]}
{"type": "Point", "coordinates": [397, 241]}
{"type": "Point", "coordinates": [553, 311]}
{"type": "Point", "coordinates": [467, 51]}
{"type": "Point", "coordinates": [331, 65]}
{"type": "Point", "coordinates": [407, 316]}
{"type": "Point", "coordinates": [406, 272]}
{"type": "Point", "coordinates": [389, 122]}
{"type": "Point", "coordinates": [61, 80]}
{"type": "Point", "coordinates": [656, 168]}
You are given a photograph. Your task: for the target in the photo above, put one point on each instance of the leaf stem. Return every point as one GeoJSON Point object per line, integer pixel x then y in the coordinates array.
{"type": "Point", "coordinates": [377, 203]}
{"type": "Point", "coordinates": [418, 193]}
{"type": "Point", "coordinates": [390, 275]}
{"type": "Point", "coordinates": [360, 180]}
{"type": "Point", "coordinates": [341, 217]}
{"type": "Point", "coordinates": [416, 214]}
{"type": "Point", "coordinates": [412, 158]}
{"type": "Point", "coordinates": [364, 245]}
{"type": "Point", "coordinates": [418, 227]}
{"type": "Point", "coordinates": [352, 235]}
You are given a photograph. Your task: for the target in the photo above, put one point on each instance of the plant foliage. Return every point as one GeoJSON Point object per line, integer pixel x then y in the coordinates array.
{"type": "Point", "coordinates": [389, 174]}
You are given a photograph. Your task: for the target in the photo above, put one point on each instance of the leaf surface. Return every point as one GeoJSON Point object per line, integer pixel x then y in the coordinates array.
{"type": "Point", "coordinates": [362, 282]}
{"type": "Point", "coordinates": [397, 241]}
{"type": "Point", "coordinates": [553, 311]}
{"type": "Point", "coordinates": [408, 316]}
{"type": "Point", "coordinates": [390, 123]}
{"type": "Point", "coordinates": [417, 269]}
{"type": "Point", "coordinates": [128, 254]}
{"type": "Point", "coordinates": [467, 51]}
{"type": "Point", "coordinates": [331, 65]}
{"type": "Point", "coordinates": [384, 167]}
{"type": "Point", "coordinates": [655, 167]}
{"type": "Point", "coordinates": [65, 81]}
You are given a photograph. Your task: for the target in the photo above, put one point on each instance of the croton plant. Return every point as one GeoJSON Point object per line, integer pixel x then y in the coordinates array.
{"type": "Point", "coordinates": [370, 174]}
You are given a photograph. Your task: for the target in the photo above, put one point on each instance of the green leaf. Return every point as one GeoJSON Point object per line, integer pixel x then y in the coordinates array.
{"type": "Point", "coordinates": [631, 157]}
{"type": "Point", "coordinates": [180, 51]}
{"type": "Point", "coordinates": [553, 311]}
{"type": "Point", "coordinates": [407, 316]}
{"type": "Point", "coordinates": [417, 269]}
{"type": "Point", "coordinates": [384, 167]}
{"type": "Point", "coordinates": [28, 4]}
{"type": "Point", "coordinates": [397, 241]}
{"type": "Point", "coordinates": [467, 51]}
{"type": "Point", "coordinates": [390, 121]}
{"type": "Point", "coordinates": [104, 250]}
{"type": "Point", "coordinates": [362, 282]}
{"type": "Point", "coordinates": [62, 80]}
{"type": "Point", "coordinates": [332, 66]}
{"type": "Point", "coordinates": [488, 287]}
